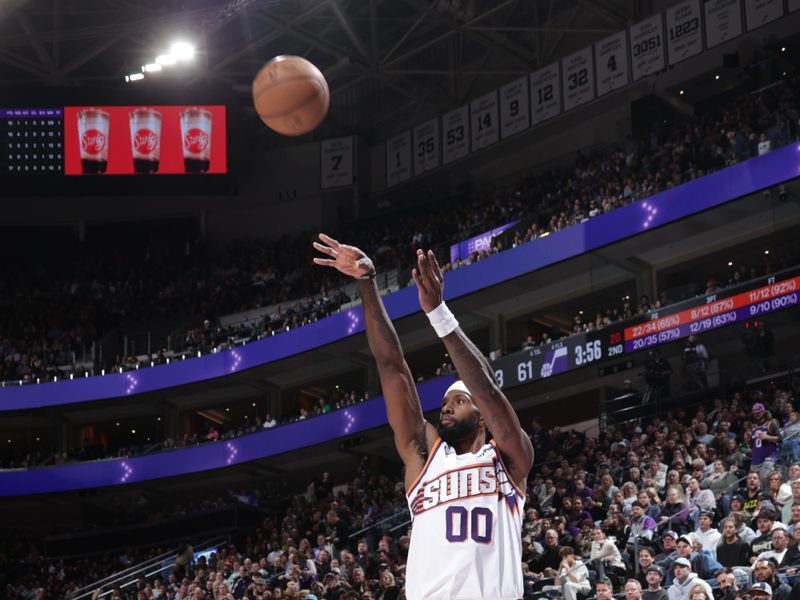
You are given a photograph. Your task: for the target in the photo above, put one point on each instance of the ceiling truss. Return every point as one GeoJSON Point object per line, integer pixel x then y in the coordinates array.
{"type": "Point", "coordinates": [387, 61]}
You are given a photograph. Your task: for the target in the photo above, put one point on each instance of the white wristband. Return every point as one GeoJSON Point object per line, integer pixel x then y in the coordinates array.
{"type": "Point", "coordinates": [443, 321]}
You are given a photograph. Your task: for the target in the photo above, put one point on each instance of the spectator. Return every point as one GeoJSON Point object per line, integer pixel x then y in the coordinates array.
{"type": "Point", "coordinates": [695, 360]}
{"type": "Point", "coordinates": [633, 590]}
{"type": "Point", "coordinates": [654, 575]}
{"type": "Point", "coordinates": [551, 557]}
{"type": "Point", "coordinates": [765, 573]}
{"type": "Point", "coordinates": [650, 509]}
{"type": "Point", "coordinates": [731, 550]}
{"type": "Point", "coordinates": [781, 553]}
{"type": "Point", "coordinates": [728, 588]}
{"type": "Point", "coordinates": [603, 589]}
{"type": "Point", "coordinates": [707, 536]}
{"type": "Point", "coordinates": [765, 438]}
{"type": "Point", "coordinates": [720, 482]}
{"type": "Point", "coordinates": [685, 580]}
{"type": "Point", "coordinates": [674, 513]}
{"type": "Point", "coordinates": [604, 554]}
{"type": "Point", "coordinates": [572, 576]}
{"type": "Point", "coordinates": [763, 540]}
{"type": "Point", "coordinates": [699, 500]}
{"type": "Point", "coordinates": [642, 526]}
{"type": "Point", "coordinates": [751, 494]}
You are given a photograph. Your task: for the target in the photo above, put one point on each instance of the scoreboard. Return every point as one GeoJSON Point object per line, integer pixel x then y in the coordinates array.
{"type": "Point", "coordinates": [32, 141]}
{"type": "Point", "coordinates": [113, 140]}
{"type": "Point", "coordinates": [734, 305]}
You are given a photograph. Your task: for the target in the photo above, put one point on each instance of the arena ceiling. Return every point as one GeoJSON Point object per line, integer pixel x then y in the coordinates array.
{"type": "Point", "coordinates": [388, 62]}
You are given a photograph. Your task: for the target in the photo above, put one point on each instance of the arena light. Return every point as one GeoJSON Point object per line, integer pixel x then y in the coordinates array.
{"type": "Point", "coordinates": [783, 48]}
{"type": "Point", "coordinates": [134, 77]}
{"type": "Point", "coordinates": [730, 263]}
{"type": "Point", "coordinates": [151, 67]}
{"type": "Point", "coordinates": [182, 51]}
{"type": "Point", "coordinates": [681, 92]}
{"type": "Point", "coordinates": [166, 59]}
{"type": "Point", "coordinates": [716, 76]}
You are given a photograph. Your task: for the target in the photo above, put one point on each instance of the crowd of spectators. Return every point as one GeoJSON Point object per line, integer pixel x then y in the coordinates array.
{"type": "Point", "coordinates": [51, 312]}
{"type": "Point", "coordinates": [705, 495]}
{"type": "Point", "coordinates": [334, 398]}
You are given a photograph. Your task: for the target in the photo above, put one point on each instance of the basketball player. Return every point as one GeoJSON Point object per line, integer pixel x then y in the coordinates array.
{"type": "Point", "coordinates": [465, 495]}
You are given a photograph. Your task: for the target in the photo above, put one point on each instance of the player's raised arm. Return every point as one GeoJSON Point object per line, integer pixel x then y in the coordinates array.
{"type": "Point", "coordinates": [474, 370]}
{"type": "Point", "coordinates": [413, 436]}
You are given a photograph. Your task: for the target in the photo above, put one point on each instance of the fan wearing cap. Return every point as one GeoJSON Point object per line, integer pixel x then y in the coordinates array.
{"type": "Point", "coordinates": [333, 584]}
{"type": "Point", "coordinates": [766, 437]}
{"type": "Point", "coordinates": [684, 580]}
{"type": "Point", "coordinates": [668, 539]}
{"type": "Point", "coordinates": [654, 576]}
{"type": "Point", "coordinates": [703, 563]}
{"type": "Point", "coordinates": [466, 496]}
{"type": "Point", "coordinates": [760, 590]}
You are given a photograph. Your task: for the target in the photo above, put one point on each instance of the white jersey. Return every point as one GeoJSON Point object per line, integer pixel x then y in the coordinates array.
{"type": "Point", "coordinates": [466, 540]}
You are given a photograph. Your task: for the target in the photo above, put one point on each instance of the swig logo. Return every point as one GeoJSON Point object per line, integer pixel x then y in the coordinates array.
{"type": "Point", "coordinates": [93, 141]}
{"type": "Point", "coordinates": [195, 140]}
{"type": "Point", "coordinates": [145, 141]}
{"type": "Point", "coordinates": [473, 481]}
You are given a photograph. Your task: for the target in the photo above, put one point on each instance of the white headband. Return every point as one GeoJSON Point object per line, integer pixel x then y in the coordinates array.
{"type": "Point", "coordinates": [458, 386]}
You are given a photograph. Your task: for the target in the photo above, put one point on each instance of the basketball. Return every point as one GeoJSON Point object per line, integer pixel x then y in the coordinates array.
{"type": "Point", "coordinates": [291, 95]}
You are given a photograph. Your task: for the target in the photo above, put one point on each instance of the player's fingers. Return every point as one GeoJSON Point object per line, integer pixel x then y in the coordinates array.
{"type": "Point", "coordinates": [422, 261]}
{"type": "Point", "coordinates": [417, 279]}
{"type": "Point", "coordinates": [325, 262]}
{"type": "Point", "coordinates": [437, 270]}
{"type": "Point", "coordinates": [329, 240]}
{"type": "Point", "coordinates": [324, 249]}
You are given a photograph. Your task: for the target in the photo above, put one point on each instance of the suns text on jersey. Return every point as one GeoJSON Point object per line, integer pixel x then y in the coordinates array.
{"type": "Point", "coordinates": [458, 484]}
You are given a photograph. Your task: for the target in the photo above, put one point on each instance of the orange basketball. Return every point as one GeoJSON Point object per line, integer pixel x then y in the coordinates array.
{"type": "Point", "coordinates": [290, 95]}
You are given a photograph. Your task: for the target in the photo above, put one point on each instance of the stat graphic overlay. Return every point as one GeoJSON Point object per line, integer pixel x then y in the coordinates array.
{"type": "Point", "coordinates": [737, 304]}
{"type": "Point", "coordinates": [144, 140]}
{"type": "Point", "coordinates": [31, 141]}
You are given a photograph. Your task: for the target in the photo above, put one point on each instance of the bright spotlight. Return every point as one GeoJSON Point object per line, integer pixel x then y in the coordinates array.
{"type": "Point", "coordinates": [151, 67]}
{"type": "Point", "coordinates": [165, 59]}
{"type": "Point", "coordinates": [182, 51]}
{"type": "Point", "coordinates": [134, 77]}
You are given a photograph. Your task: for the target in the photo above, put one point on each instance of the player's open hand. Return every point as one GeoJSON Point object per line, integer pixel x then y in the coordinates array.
{"type": "Point", "coordinates": [429, 279]}
{"type": "Point", "coordinates": [346, 259]}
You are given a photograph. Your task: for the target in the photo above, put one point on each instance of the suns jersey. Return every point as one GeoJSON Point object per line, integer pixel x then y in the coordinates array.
{"type": "Point", "coordinates": [467, 520]}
